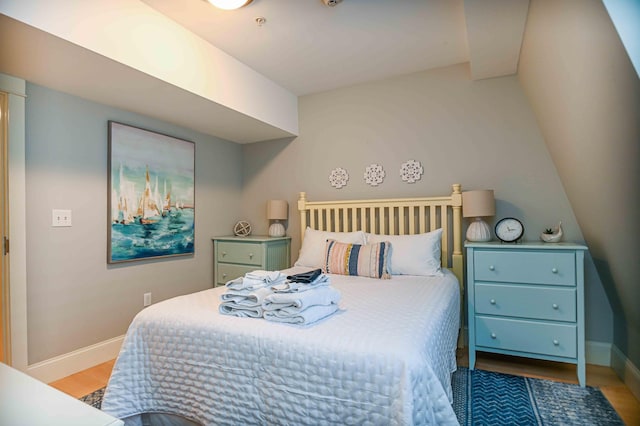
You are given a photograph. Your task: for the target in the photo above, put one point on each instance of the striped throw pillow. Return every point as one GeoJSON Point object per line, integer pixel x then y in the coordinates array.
{"type": "Point", "coordinates": [364, 260]}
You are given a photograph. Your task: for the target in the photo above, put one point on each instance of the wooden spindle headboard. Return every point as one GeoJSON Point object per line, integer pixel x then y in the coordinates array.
{"type": "Point", "coordinates": [397, 216]}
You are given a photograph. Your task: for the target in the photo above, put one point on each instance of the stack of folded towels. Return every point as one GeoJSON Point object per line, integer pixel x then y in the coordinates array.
{"type": "Point", "coordinates": [301, 299]}
{"type": "Point", "coordinates": [244, 295]}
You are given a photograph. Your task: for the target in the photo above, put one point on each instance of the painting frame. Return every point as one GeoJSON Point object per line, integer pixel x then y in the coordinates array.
{"type": "Point", "coordinates": [151, 195]}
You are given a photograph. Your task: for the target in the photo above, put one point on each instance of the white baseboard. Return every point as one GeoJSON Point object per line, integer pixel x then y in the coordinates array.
{"type": "Point", "coordinates": [625, 369]}
{"type": "Point", "coordinates": [64, 365]}
{"type": "Point", "coordinates": [598, 353]}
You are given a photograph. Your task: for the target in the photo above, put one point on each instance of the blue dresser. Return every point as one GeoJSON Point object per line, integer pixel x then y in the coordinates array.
{"type": "Point", "coordinates": [527, 300]}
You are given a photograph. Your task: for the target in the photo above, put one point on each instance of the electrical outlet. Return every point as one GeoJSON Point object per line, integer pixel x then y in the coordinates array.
{"type": "Point", "coordinates": [60, 217]}
{"type": "Point", "coordinates": [147, 299]}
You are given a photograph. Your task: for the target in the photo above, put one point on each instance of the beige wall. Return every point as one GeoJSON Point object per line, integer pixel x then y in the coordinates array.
{"type": "Point", "coordinates": [481, 134]}
{"type": "Point", "coordinates": [74, 299]}
{"type": "Point", "coordinates": [586, 97]}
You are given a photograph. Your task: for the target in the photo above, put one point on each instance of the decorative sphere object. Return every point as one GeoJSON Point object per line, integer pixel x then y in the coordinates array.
{"type": "Point", "coordinates": [242, 229]}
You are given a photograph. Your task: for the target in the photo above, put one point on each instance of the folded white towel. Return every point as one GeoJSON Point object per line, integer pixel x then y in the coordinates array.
{"type": "Point", "coordinates": [247, 284]}
{"type": "Point", "coordinates": [268, 277]}
{"type": "Point", "coordinates": [244, 298]}
{"type": "Point", "coordinates": [293, 287]}
{"type": "Point", "coordinates": [309, 316]}
{"type": "Point", "coordinates": [232, 308]}
{"type": "Point", "coordinates": [236, 284]}
{"type": "Point", "coordinates": [292, 303]}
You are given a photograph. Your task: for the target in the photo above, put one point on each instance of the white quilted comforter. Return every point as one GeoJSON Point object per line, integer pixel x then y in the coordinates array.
{"type": "Point", "coordinates": [385, 358]}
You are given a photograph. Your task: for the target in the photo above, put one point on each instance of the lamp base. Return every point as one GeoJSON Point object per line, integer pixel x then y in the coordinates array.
{"type": "Point", "coordinates": [478, 231]}
{"type": "Point", "coordinates": [276, 230]}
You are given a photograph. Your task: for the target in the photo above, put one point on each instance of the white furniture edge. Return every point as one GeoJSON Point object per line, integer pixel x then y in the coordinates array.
{"type": "Point", "coordinates": [67, 364]}
{"type": "Point", "coordinates": [27, 401]}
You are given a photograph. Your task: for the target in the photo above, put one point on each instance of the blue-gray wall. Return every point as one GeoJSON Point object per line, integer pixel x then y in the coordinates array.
{"type": "Point", "coordinates": [481, 134]}
{"type": "Point", "coordinates": [585, 94]}
{"type": "Point", "coordinates": [74, 299]}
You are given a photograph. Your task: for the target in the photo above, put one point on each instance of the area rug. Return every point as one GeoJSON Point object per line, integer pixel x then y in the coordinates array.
{"type": "Point", "coordinates": [488, 398]}
{"type": "Point", "coordinates": [94, 399]}
{"type": "Point", "coordinates": [495, 399]}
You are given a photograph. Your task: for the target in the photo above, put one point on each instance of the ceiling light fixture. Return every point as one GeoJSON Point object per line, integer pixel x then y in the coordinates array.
{"type": "Point", "coordinates": [331, 3]}
{"type": "Point", "coordinates": [229, 4]}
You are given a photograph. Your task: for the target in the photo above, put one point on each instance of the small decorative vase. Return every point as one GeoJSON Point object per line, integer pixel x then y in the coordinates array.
{"type": "Point", "coordinates": [276, 229]}
{"type": "Point", "coordinates": [478, 231]}
{"type": "Point", "coordinates": [554, 237]}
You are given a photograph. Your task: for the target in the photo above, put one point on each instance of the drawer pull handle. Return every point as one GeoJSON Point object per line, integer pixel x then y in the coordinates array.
{"type": "Point", "coordinates": [493, 335]}
{"type": "Point", "coordinates": [492, 301]}
{"type": "Point", "coordinates": [224, 275]}
{"type": "Point", "coordinates": [555, 342]}
{"type": "Point", "coordinates": [554, 306]}
{"type": "Point", "coordinates": [554, 270]}
{"type": "Point", "coordinates": [492, 268]}
{"type": "Point", "coordinates": [224, 253]}
{"type": "Point", "coordinates": [250, 255]}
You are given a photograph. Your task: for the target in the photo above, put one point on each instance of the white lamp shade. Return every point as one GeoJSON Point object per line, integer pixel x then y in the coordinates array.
{"type": "Point", "coordinates": [277, 209]}
{"type": "Point", "coordinates": [479, 203]}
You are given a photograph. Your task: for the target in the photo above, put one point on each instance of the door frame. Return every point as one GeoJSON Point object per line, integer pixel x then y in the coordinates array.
{"type": "Point", "coordinates": [5, 308]}
{"type": "Point", "coordinates": [15, 217]}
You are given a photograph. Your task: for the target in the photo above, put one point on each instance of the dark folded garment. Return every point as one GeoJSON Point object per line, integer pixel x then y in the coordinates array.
{"type": "Point", "coordinates": [305, 277]}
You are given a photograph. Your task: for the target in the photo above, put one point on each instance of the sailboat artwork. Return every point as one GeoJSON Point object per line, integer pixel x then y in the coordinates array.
{"type": "Point", "coordinates": [152, 201]}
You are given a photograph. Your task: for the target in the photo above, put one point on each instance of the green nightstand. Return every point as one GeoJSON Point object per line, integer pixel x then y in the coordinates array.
{"type": "Point", "coordinates": [235, 256]}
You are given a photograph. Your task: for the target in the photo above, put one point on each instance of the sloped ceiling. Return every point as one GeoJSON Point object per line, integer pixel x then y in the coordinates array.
{"type": "Point", "coordinates": [303, 47]}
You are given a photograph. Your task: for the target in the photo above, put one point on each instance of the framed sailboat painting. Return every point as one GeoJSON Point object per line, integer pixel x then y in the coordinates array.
{"type": "Point", "coordinates": [151, 202]}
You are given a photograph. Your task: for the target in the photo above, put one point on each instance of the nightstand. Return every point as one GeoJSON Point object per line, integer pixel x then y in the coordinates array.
{"type": "Point", "coordinates": [527, 300]}
{"type": "Point", "coordinates": [235, 256]}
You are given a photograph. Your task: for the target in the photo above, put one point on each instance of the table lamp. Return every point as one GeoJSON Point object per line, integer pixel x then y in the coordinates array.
{"type": "Point", "coordinates": [478, 204]}
{"type": "Point", "coordinates": [277, 210]}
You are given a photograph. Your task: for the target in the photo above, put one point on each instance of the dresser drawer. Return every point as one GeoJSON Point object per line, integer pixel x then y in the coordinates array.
{"type": "Point", "coordinates": [548, 267]}
{"type": "Point", "coordinates": [526, 301]}
{"type": "Point", "coordinates": [237, 252]}
{"type": "Point", "coordinates": [229, 271]}
{"type": "Point", "coordinates": [526, 336]}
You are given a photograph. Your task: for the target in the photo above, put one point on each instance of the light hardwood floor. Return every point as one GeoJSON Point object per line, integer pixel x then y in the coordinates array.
{"type": "Point", "coordinates": [85, 382]}
{"type": "Point", "coordinates": [627, 406]}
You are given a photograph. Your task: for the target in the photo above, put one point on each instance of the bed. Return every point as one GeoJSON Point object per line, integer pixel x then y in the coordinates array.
{"type": "Point", "coordinates": [386, 357]}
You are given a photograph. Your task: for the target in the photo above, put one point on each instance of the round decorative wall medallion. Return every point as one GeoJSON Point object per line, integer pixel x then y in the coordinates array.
{"type": "Point", "coordinates": [411, 171]}
{"type": "Point", "coordinates": [374, 174]}
{"type": "Point", "coordinates": [242, 229]}
{"type": "Point", "coordinates": [338, 177]}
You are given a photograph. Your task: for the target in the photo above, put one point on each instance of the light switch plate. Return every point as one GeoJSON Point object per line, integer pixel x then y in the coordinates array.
{"type": "Point", "coordinates": [60, 217]}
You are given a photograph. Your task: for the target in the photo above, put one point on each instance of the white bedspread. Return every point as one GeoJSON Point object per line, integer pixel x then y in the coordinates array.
{"type": "Point", "coordinates": [385, 359]}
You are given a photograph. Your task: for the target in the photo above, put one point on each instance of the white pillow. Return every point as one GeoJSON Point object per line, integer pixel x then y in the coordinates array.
{"type": "Point", "coordinates": [314, 244]}
{"type": "Point", "coordinates": [417, 254]}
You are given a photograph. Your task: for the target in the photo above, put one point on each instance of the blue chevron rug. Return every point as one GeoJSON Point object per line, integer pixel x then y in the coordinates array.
{"type": "Point", "coordinates": [487, 398]}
